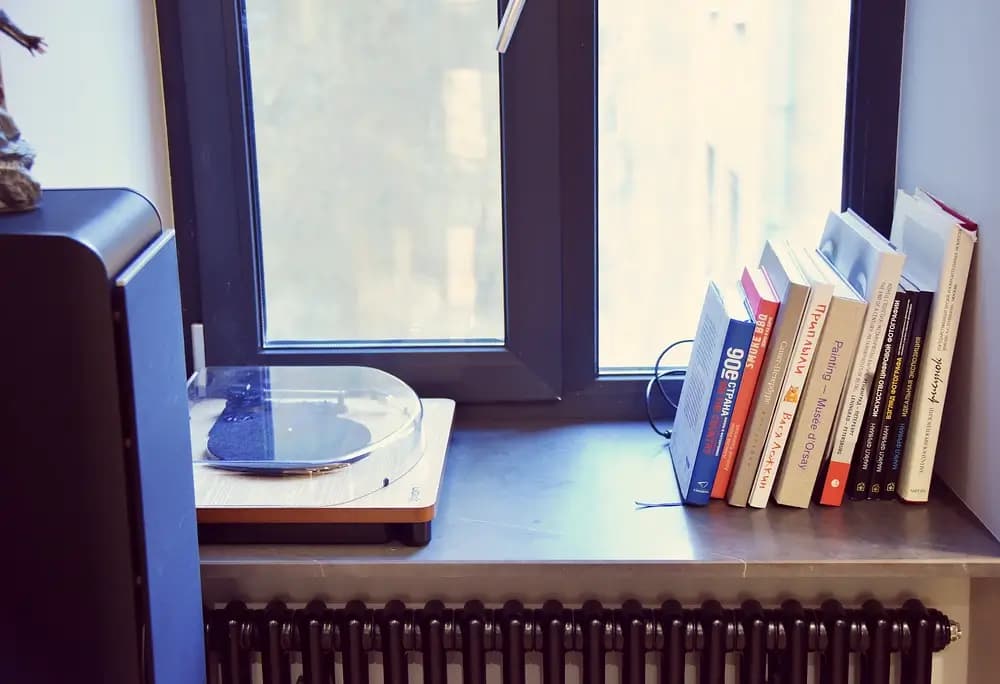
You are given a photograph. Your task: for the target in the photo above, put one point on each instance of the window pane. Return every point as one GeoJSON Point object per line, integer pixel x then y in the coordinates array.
{"type": "Point", "coordinates": [720, 124]}
{"type": "Point", "coordinates": [377, 134]}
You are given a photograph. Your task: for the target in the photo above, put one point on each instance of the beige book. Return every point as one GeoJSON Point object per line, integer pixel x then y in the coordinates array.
{"type": "Point", "coordinates": [792, 289]}
{"type": "Point", "coordinates": [818, 406]}
{"type": "Point", "coordinates": [799, 367]}
{"type": "Point", "coordinates": [938, 244]}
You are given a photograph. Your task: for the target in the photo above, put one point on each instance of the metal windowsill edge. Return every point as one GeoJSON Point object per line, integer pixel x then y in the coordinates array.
{"type": "Point", "coordinates": [539, 499]}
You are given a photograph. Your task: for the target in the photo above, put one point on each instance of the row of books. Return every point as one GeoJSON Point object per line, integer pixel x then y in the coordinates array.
{"type": "Point", "coordinates": [822, 372]}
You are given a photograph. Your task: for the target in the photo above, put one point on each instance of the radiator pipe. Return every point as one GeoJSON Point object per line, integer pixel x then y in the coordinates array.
{"type": "Point", "coordinates": [431, 637]}
{"type": "Point", "coordinates": [875, 659]}
{"type": "Point", "coordinates": [472, 625]}
{"type": "Point", "coordinates": [275, 631]}
{"type": "Point", "coordinates": [556, 624]}
{"type": "Point", "coordinates": [835, 659]}
{"type": "Point", "coordinates": [677, 640]}
{"type": "Point", "coordinates": [595, 626]}
{"type": "Point", "coordinates": [795, 655]}
{"type": "Point", "coordinates": [316, 667]}
{"type": "Point", "coordinates": [630, 620]}
{"type": "Point", "coordinates": [355, 630]}
{"type": "Point", "coordinates": [918, 647]}
{"type": "Point", "coordinates": [394, 624]}
{"type": "Point", "coordinates": [238, 631]}
{"type": "Point", "coordinates": [513, 635]}
{"type": "Point", "coordinates": [753, 655]}
{"type": "Point", "coordinates": [713, 654]}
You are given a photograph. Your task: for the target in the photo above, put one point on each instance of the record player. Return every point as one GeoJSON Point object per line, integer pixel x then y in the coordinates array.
{"type": "Point", "coordinates": [336, 454]}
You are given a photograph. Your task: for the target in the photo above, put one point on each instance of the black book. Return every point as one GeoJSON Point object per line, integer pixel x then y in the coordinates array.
{"type": "Point", "coordinates": [923, 298]}
{"type": "Point", "coordinates": [896, 379]}
{"type": "Point", "coordinates": [862, 464]}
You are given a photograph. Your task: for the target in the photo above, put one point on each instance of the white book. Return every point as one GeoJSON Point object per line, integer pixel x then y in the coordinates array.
{"type": "Point", "coordinates": [803, 352]}
{"type": "Point", "coordinates": [939, 246]}
{"type": "Point", "coordinates": [818, 406]}
{"type": "Point", "coordinates": [873, 267]}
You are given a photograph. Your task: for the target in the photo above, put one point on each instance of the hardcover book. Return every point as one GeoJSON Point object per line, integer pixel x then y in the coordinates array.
{"type": "Point", "coordinates": [834, 356]}
{"type": "Point", "coordinates": [708, 395]}
{"type": "Point", "coordinates": [922, 301]}
{"type": "Point", "coordinates": [863, 462]}
{"type": "Point", "coordinates": [787, 281]}
{"type": "Point", "coordinates": [873, 268]}
{"type": "Point", "coordinates": [893, 392]}
{"type": "Point", "coordinates": [939, 242]}
{"type": "Point", "coordinates": [803, 352]}
{"type": "Point", "coordinates": [763, 305]}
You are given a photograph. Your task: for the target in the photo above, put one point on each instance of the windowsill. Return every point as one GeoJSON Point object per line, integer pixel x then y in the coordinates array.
{"type": "Point", "coordinates": [544, 498]}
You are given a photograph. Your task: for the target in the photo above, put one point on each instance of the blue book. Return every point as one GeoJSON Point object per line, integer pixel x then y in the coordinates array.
{"type": "Point", "coordinates": [708, 396]}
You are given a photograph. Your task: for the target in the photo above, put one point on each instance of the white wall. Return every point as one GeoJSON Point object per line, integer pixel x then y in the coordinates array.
{"type": "Point", "coordinates": [92, 106]}
{"type": "Point", "coordinates": [949, 143]}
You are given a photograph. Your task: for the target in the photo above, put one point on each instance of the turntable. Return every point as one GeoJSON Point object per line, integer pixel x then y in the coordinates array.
{"type": "Point", "coordinates": [338, 454]}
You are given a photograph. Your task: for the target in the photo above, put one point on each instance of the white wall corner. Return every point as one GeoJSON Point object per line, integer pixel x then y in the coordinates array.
{"type": "Point", "coordinates": [949, 143]}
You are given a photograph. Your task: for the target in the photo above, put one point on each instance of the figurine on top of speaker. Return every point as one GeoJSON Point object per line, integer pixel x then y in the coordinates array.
{"type": "Point", "coordinates": [19, 191]}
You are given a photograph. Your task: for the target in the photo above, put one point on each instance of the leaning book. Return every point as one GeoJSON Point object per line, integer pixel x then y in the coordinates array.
{"type": "Point", "coordinates": [787, 281]}
{"type": "Point", "coordinates": [834, 355]}
{"type": "Point", "coordinates": [763, 305]}
{"type": "Point", "coordinates": [800, 364]}
{"type": "Point", "coordinates": [708, 395]}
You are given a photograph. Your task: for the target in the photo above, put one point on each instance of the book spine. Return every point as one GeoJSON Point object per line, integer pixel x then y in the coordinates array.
{"type": "Point", "coordinates": [819, 404]}
{"type": "Point", "coordinates": [890, 416]}
{"type": "Point", "coordinates": [847, 423]}
{"type": "Point", "coordinates": [900, 429]}
{"type": "Point", "coordinates": [784, 414]}
{"type": "Point", "coordinates": [764, 322]}
{"type": "Point", "coordinates": [765, 398]}
{"type": "Point", "coordinates": [728, 377]}
{"type": "Point", "coordinates": [862, 463]}
{"type": "Point", "coordinates": [935, 368]}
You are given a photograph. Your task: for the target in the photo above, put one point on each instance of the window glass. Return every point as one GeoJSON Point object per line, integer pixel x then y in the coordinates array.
{"type": "Point", "coordinates": [376, 128]}
{"type": "Point", "coordinates": [720, 124]}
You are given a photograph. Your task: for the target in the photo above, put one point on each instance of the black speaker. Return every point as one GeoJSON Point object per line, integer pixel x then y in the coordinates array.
{"type": "Point", "coordinates": [98, 517]}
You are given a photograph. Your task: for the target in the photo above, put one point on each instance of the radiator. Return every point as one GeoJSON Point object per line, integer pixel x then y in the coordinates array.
{"type": "Point", "coordinates": [318, 644]}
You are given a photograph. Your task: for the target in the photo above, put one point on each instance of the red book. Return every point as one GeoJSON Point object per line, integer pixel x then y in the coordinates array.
{"type": "Point", "coordinates": [762, 302]}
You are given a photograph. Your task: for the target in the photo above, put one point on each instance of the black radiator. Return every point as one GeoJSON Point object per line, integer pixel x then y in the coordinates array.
{"type": "Point", "coordinates": [773, 645]}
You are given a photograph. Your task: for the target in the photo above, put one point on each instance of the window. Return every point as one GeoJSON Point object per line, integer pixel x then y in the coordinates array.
{"type": "Point", "coordinates": [377, 176]}
{"type": "Point", "coordinates": [760, 85]}
{"type": "Point", "coordinates": [372, 184]}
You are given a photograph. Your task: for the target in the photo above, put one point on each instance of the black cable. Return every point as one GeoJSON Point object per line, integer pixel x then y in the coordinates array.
{"type": "Point", "coordinates": [657, 380]}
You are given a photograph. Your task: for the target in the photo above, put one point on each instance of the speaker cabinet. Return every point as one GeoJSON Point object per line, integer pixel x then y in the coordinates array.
{"type": "Point", "coordinates": [98, 514]}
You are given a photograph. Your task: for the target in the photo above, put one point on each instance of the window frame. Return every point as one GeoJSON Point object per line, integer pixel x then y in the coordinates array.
{"type": "Point", "coordinates": [548, 366]}
{"type": "Point", "coordinates": [207, 84]}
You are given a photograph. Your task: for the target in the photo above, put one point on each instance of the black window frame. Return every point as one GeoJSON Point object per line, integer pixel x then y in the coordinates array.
{"type": "Point", "coordinates": [549, 364]}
